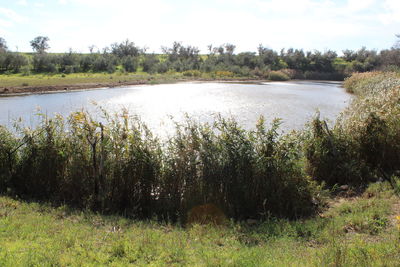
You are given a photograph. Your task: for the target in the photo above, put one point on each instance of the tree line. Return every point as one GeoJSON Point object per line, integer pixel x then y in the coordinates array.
{"type": "Point", "coordinates": [128, 57]}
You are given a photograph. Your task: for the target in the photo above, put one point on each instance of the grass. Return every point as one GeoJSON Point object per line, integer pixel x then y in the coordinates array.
{"type": "Point", "coordinates": [44, 80]}
{"type": "Point", "coordinates": [352, 232]}
{"type": "Point", "coordinates": [17, 80]}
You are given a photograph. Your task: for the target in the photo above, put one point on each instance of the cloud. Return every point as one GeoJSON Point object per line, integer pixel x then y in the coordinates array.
{"type": "Point", "coordinates": [11, 15]}
{"type": "Point", "coordinates": [22, 3]}
{"type": "Point", "coordinates": [359, 5]}
{"type": "Point", "coordinates": [308, 24]}
{"type": "Point", "coordinates": [392, 12]}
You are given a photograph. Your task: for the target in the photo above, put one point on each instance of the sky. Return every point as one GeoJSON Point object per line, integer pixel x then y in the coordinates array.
{"type": "Point", "coordinates": [303, 24]}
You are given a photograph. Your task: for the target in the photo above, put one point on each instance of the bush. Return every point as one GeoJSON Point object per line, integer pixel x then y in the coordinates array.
{"type": "Point", "coordinates": [278, 76]}
{"type": "Point", "coordinates": [332, 157]}
{"type": "Point", "coordinates": [192, 73]}
{"type": "Point", "coordinates": [8, 157]}
{"type": "Point", "coordinates": [224, 74]}
{"type": "Point", "coordinates": [130, 63]}
{"type": "Point", "coordinates": [317, 75]}
{"type": "Point", "coordinates": [371, 82]}
{"type": "Point", "coordinates": [373, 121]}
{"type": "Point", "coordinates": [364, 145]}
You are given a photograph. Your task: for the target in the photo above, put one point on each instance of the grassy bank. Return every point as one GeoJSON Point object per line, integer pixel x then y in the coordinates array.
{"type": "Point", "coordinates": [360, 231]}
{"type": "Point", "coordinates": [19, 80]}
{"type": "Point", "coordinates": [36, 83]}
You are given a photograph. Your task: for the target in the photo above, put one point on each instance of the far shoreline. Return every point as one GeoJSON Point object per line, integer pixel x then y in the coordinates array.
{"type": "Point", "coordinates": [77, 87]}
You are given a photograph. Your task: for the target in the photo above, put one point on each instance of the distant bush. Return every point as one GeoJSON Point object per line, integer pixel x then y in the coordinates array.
{"type": "Point", "coordinates": [278, 76]}
{"type": "Point", "coordinates": [192, 73]}
{"type": "Point", "coordinates": [292, 74]}
{"type": "Point", "coordinates": [222, 74]}
{"type": "Point", "coordinates": [130, 63]}
{"type": "Point", "coordinates": [317, 75]}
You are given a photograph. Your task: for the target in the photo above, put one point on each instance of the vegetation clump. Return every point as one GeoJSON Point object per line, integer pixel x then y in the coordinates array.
{"type": "Point", "coordinates": [278, 76]}
{"type": "Point", "coordinates": [120, 167]}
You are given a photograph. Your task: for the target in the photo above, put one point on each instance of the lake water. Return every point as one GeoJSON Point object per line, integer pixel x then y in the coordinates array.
{"type": "Point", "coordinates": [294, 102]}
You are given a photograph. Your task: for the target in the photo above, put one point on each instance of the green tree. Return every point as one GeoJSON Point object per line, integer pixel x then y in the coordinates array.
{"type": "Point", "coordinates": [125, 48]}
{"type": "Point", "coordinates": [3, 45]}
{"type": "Point", "coordinates": [40, 44]}
{"type": "Point", "coordinates": [397, 43]}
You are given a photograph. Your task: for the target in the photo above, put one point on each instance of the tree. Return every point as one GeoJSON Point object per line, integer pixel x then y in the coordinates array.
{"type": "Point", "coordinates": [397, 43]}
{"type": "Point", "coordinates": [40, 44]}
{"type": "Point", "coordinates": [230, 48]}
{"type": "Point", "coordinates": [3, 45]}
{"type": "Point", "coordinates": [124, 49]}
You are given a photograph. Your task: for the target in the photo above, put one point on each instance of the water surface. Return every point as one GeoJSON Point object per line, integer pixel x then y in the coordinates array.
{"type": "Point", "coordinates": [294, 102]}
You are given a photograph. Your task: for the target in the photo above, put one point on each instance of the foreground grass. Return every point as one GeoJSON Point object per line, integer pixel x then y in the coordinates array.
{"type": "Point", "coordinates": [351, 232]}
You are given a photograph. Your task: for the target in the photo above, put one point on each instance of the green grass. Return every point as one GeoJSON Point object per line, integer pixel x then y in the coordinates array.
{"type": "Point", "coordinates": [352, 232]}
{"type": "Point", "coordinates": [18, 80]}
{"type": "Point", "coordinates": [21, 80]}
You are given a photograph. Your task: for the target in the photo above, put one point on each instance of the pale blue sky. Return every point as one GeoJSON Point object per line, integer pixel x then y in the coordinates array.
{"type": "Point", "coordinates": [307, 24]}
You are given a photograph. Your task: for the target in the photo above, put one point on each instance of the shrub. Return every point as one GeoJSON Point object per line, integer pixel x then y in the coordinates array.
{"type": "Point", "coordinates": [371, 82]}
{"type": "Point", "coordinates": [318, 75]}
{"type": "Point", "coordinates": [291, 73]}
{"type": "Point", "coordinates": [192, 73]}
{"type": "Point", "coordinates": [278, 76]}
{"type": "Point", "coordinates": [8, 157]}
{"type": "Point", "coordinates": [373, 121]}
{"type": "Point", "coordinates": [130, 63]}
{"type": "Point", "coordinates": [223, 74]}
{"type": "Point", "coordinates": [332, 157]}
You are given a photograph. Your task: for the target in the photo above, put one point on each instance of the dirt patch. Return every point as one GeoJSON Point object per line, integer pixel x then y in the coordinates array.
{"type": "Point", "coordinates": [66, 87]}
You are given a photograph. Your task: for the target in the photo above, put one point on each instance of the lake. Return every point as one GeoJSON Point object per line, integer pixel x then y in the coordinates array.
{"type": "Point", "coordinates": [294, 102]}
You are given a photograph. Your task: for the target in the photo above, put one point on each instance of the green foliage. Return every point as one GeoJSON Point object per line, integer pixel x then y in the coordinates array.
{"type": "Point", "coordinates": [120, 167]}
{"type": "Point", "coordinates": [192, 73]}
{"type": "Point", "coordinates": [40, 44]}
{"type": "Point", "coordinates": [130, 63]}
{"type": "Point", "coordinates": [8, 157]}
{"type": "Point", "coordinates": [332, 157]}
{"type": "Point", "coordinates": [278, 76]}
{"type": "Point", "coordinates": [302, 64]}
{"type": "Point", "coordinates": [13, 62]}
{"type": "Point", "coordinates": [149, 63]}
{"type": "Point", "coordinates": [364, 144]}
